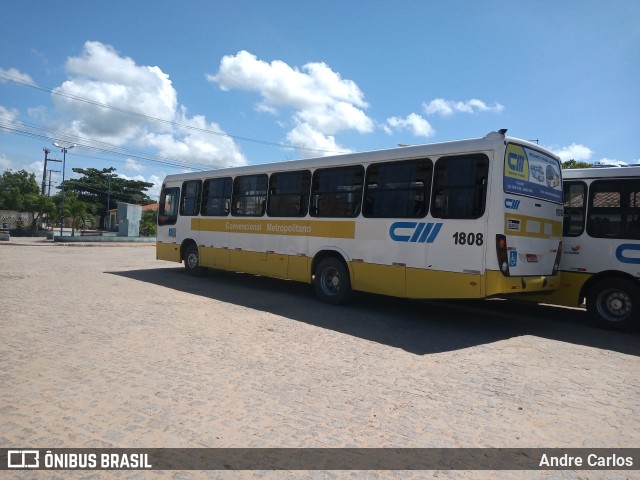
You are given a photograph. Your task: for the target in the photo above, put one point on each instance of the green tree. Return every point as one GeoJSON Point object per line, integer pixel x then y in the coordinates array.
{"type": "Point", "coordinates": [19, 191]}
{"type": "Point", "coordinates": [77, 210]}
{"type": "Point", "coordinates": [15, 188]}
{"type": "Point", "coordinates": [575, 164]}
{"type": "Point", "coordinates": [41, 206]}
{"type": "Point", "coordinates": [99, 187]}
{"type": "Point", "coordinates": [148, 223]}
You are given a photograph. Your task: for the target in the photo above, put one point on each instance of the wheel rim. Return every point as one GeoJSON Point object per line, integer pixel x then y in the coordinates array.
{"type": "Point", "coordinates": [192, 260]}
{"type": "Point", "coordinates": [330, 281]}
{"type": "Point", "coordinates": [614, 305]}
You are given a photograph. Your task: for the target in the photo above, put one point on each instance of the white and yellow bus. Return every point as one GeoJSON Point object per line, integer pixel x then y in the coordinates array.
{"type": "Point", "coordinates": [601, 246]}
{"type": "Point", "coordinates": [462, 219]}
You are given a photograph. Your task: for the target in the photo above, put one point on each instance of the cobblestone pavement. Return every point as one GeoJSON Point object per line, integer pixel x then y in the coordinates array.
{"type": "Point", "coordinates": [108, 347]}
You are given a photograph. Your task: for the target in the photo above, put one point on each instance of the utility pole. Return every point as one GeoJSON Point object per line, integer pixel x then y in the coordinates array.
{"type": "Point", "coordinates": [107, 218]}
{"type": "Point", "coordinates": [49, 185]}
{"type": "Point", "coordinates": [44, 170]}
{"type": "Point", "coordinates": [64, 158]}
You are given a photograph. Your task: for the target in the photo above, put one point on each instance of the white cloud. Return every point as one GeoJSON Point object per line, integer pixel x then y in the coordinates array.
{"type": "Point", "coordinates": [15, 74]}
{"type": "Point", "coordinates": [5, 163]}
{"type": "Point", "coordinates": [609, 161]}
{"type": "Point", "coordinates": [154, 191]}
{"type": "Point", "coordinates": [7, 117]}
{"type": "Point", "coordinates": [323, 102]}
{"type": "Point", "coordinates": [576, 152]}
{"type": "Point", "coordinates": [447, 108]}
{"type": "Point", "coordinates": [304, 136]}
{"type": "Point", "coordinates": [133, 166]}
{"type": "Point", "coordinates": [102, 76]}
{"type": "Point", "coordinates": [413, 122]}
{"type": "Point", "coordinates": [195, 144]}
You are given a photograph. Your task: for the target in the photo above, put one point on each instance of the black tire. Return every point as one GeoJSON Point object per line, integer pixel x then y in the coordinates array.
{"type": "Point", "coordinates": [192, 260]}
{"type": "Point", "coordinates": [615, 304]}
{"type": "Point", "coordinates": [331, 281]}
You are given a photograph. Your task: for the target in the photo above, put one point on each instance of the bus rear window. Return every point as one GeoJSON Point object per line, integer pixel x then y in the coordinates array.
{"type": "Point", "coordinates": [531, 173]}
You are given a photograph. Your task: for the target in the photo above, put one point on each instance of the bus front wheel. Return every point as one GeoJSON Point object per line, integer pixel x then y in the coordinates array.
{"type": "Point", "coordinates": [331, 281]}
{"type": "Point", "coordinates": [192, 260]}
{"type": "Point", "coordinates": [615, 303]}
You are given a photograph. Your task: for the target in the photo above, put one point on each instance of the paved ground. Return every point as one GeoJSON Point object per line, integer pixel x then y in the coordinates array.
{"type": "Point", "coordinates": [104, 346]}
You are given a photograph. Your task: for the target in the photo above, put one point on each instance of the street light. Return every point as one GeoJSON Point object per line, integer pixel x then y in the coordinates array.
{"type": "Point", "coordinates": [64, 158]}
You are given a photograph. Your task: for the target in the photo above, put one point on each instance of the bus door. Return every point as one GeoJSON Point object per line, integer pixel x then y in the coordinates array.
{"type": "Point", "coordinates": [167, 246]}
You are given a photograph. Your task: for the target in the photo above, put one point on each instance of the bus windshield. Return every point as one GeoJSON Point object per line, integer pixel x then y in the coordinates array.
{"type": "Point", "coordinates": [532, 173]}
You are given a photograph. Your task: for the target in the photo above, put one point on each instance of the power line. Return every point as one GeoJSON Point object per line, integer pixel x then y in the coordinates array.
{"type": "Point", "coordinates": [37, 131]}
{"type": "Point", "coordinates": [36, 86]}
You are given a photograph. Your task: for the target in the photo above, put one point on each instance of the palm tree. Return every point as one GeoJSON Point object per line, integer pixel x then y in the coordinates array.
{"type": "Point", "coordinates": [77, 210]}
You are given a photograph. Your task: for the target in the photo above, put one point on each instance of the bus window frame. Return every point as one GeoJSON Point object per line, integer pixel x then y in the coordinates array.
{"type": "Point", "coordinates": [372, 189]}
{"type": "Point", "coordinates": [333, 201]}
{"type": "Point", "coordinates": [195, 211]}
{"type": "Point", "coordinates": [163, 217]}
{"type": "Point", "coordinates": [569, 210]}
{"type": "Point", "coordinates": [594, 226]}
{"type": "Point", "coordinates": [293, 203]}
{"type": "Point", "coordinates": [439, 201]}
{"type": "Point", "coordinates": [225, 205]}
{"type": "Point", "coordinates": [237, 201]}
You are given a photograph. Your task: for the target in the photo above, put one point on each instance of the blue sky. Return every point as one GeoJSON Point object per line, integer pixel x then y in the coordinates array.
{"type": "Point", "coordinates": [158, 87]}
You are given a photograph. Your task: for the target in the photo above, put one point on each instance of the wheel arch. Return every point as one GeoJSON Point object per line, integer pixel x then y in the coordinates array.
{"type": "Point", "coordinates": [606, 274]}
{"type": "Point", "coordinates": [329, 252]}
{"type": "Point", "coordinates": [186, 243]}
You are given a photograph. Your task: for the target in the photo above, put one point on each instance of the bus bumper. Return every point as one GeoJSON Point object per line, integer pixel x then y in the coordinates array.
{"type": "Point", "coordinates": [498, 284]}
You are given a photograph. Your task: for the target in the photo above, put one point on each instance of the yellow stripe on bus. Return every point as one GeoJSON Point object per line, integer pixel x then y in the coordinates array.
{"type": "Point", "coordinates": [309, 228]}
{"type": "Point", "coordinates": [525, 226]}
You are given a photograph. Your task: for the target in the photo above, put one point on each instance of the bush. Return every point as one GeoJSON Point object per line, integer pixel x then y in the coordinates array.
{"type": "Point", "coordinates": [148, 223]}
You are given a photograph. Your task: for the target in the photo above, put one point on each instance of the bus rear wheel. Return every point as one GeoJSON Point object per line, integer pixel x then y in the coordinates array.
{"type": "Point", "coordinates": [192, 260]}
{"type": "Point", "coordinates": [615, 304]}
{"type": "Point", "coordinates": [331, 281]}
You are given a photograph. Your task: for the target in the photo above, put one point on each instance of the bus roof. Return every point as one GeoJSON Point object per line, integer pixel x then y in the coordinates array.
{"type": "Point", "coordinates": [600, 172]}
{"type": "Point", "coordinates": [406, 152]}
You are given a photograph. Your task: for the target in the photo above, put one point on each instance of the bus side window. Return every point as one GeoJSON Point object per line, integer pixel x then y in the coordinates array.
{"type": "Point", "coordinates": [289, 194]}
{"type": "Point", "coordinates": [168, 206]}
{"type": "Point", "coordinates": [605, 209]}
{"type": "Point", "coordinates": [398, 189]}
{"type": "Point", "coordinates": [249, 195]}
{"type": "Point", "coordinates": [216, 197]}
{"type": "Point", "coordinates": [614, 209]}
{"type": "Point", "coordinates": [190, 200]}
{"type": "Point", "coordinates": [633, 212]}
{"type": "Point", "coordinates": [460, 187]}
{"type": "Point", "coordinates": [337, 191]}
{"type": "Point", "coordinates": [574, 208]}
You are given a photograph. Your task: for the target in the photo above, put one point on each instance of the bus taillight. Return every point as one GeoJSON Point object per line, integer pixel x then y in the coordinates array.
{"type": "Point", "coordinates": [501, 251]}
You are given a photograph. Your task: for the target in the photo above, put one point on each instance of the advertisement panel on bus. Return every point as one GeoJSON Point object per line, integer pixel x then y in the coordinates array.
{"type": "Point", "coordinates": [532, 173]}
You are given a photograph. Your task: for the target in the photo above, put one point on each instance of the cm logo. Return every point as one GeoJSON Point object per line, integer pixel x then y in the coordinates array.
{"type": "Point", "coordinates": [516, 162]}
{"type": "Point", "coordinates": [419, 232]}
{"type": "Point", "coordinates": [511, 203]}
{"type": "Point", "coordinates": [621, 256]}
